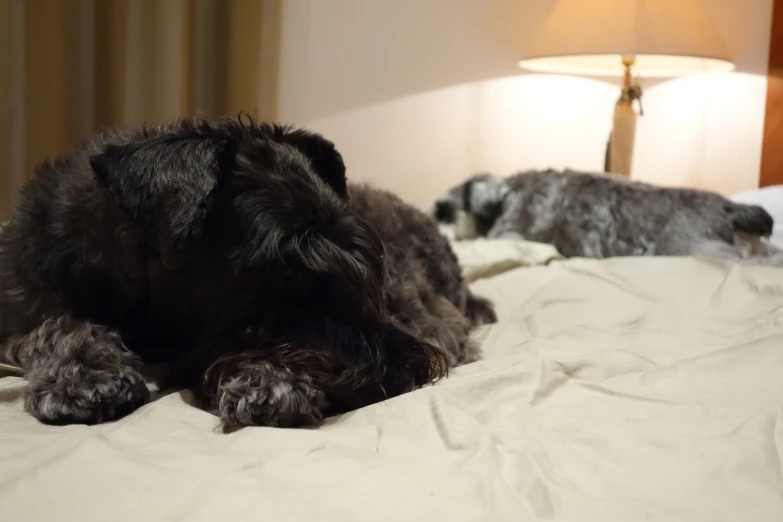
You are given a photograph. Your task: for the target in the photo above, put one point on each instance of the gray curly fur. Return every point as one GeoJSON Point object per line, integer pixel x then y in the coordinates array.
{"type": "Point", "coordinates": [599, 216]}
{"type": "Point", "coordinates": [260, 393]}
{"type": "Point", "coordinates": [78, 372]}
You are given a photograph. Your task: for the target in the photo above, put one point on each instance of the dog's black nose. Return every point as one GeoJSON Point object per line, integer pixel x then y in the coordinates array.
{"type": "Point", "coordinates": [445, 211]}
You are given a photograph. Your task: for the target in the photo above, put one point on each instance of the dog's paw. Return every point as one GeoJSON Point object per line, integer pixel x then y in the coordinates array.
{"type": "Point", "coordinates": [73, 391]}
{"type": "Point", "coordinates": [480, 311]}
{"type": "Point", "coordinates": [266, 395]}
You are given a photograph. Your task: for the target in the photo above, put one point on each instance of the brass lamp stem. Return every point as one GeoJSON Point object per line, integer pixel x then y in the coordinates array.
{"type": "Point", "coordinates": [632, 90]}
{"type": "Point", "coordinates": [628, 62]}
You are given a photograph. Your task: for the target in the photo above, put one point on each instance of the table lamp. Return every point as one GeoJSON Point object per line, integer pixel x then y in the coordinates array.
{"type": "Point", "coordinates": [651, 38]}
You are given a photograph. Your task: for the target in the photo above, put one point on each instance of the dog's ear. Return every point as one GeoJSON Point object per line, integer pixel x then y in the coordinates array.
{"type": "Point", "coordinates": [484, 194]}
{"type": "Point", "coordinates": [165, 184]}
{"type": "Point", "coordinates": [323, 156]}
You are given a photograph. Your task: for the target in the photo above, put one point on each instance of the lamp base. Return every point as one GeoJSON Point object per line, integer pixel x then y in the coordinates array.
{"type": "Point", "coordinates": [620, 154]}
{"type": "Point", "coordinates": [622, 141]}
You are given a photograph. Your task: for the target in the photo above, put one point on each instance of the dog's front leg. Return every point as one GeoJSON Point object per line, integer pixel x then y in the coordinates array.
{"type": "Point", "coordinates": [78, 372]}
{"type": "Point", "coordinates": [258, 389]}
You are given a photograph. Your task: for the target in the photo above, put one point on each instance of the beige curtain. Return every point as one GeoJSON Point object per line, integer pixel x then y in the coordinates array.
{"type": "Point", "coordinates": [70, 67]}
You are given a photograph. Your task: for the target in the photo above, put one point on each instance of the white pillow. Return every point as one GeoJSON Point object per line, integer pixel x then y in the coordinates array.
{"type": "Point", "coordinates": [482, 258]}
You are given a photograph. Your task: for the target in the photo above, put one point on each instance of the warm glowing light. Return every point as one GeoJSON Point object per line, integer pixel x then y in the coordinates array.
{"type": "Point", "coordinates": [649, 66]}
{"type": "Point", "coordinates": [589, 37]}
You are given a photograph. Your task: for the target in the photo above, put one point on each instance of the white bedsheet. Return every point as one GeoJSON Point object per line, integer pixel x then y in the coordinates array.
{"type": "Point", "coordinates": [620, 390]}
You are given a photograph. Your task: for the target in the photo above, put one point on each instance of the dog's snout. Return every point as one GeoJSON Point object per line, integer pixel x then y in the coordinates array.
{"type": "Point", "coordinates": [445, 211]}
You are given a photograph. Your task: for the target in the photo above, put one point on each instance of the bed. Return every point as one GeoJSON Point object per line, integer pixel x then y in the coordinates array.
{"type": "Point", "coordinates": [615, 390]}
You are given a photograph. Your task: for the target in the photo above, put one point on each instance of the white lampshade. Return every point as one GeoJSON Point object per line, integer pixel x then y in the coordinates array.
{"type": "Point", "coordinates": [667, 37]}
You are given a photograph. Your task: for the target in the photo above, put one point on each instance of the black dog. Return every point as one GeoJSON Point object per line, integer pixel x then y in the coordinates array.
{"type": "Point", "coordinates": [231, 250]}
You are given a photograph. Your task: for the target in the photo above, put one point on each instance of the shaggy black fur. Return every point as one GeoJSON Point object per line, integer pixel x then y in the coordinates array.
{"type": "Point", "coordinates": [425, 290]}
{"type": "Point", "coordinates": [231, 250]}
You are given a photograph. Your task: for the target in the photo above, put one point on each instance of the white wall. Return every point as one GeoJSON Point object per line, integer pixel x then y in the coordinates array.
{"type": "Point", "coordinates": [418, 94]}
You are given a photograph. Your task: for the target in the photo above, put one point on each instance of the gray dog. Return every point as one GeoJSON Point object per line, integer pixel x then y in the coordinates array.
{"type": "Point", "coordinates": [599, 216]}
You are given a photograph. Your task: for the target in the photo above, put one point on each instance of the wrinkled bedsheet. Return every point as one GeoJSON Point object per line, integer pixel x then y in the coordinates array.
{"type": "Point", "coordinates": [620, 390]}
